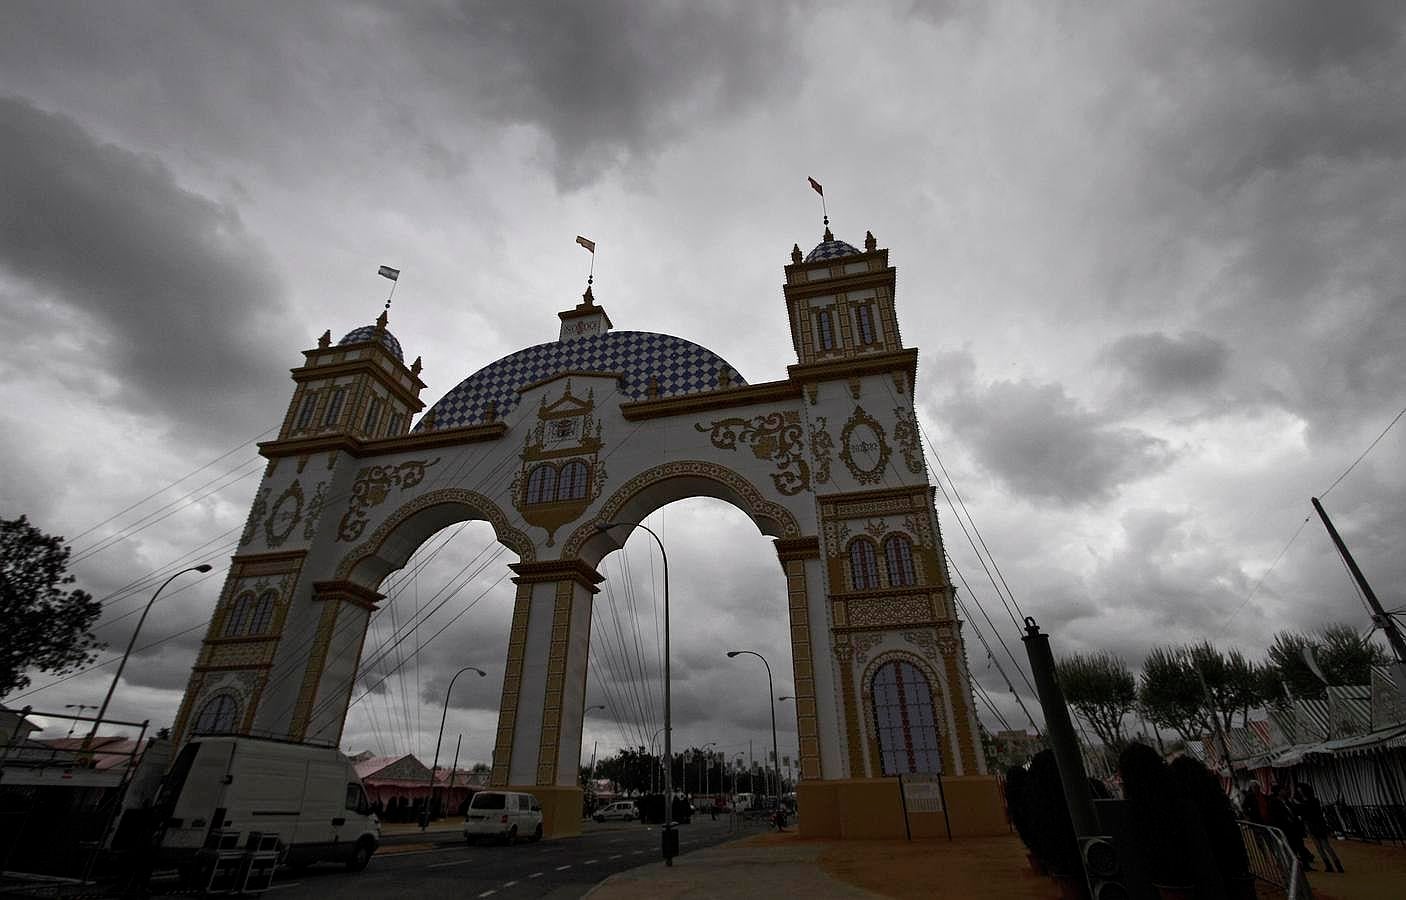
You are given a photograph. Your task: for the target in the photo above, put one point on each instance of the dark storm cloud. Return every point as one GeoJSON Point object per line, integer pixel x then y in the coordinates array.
{"type": "Point", "coordinates": [179, 297]}
{"type": "Point", "coordinates": [609, 82]}
{"type": "Point", "coordinates": [1156, 364]}
{"type": "Point", "coordinates": [1044, 444]}
{"type": "Point", "coordinates": [1305, 35]}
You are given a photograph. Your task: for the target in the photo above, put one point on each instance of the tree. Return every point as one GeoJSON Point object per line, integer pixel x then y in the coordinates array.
{"type": "Point", "coordinates": [46, 628]}
{"type": "Point", "coordinates": [1195, 687]}
{"type": "Point", "coordinates": [1344, 657]}
{"type": "Point", "coordinates": [1100, 687]}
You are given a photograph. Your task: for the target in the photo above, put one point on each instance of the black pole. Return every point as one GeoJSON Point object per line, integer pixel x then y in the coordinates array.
{"type": "Point", "coordinates": [1379, 616]}
{"type": "Point", "coordinates": [1059, 731]}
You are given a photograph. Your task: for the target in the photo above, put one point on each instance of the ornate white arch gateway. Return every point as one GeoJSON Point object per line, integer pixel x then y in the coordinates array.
{"type": "Point", "coordinates": [604, 425]}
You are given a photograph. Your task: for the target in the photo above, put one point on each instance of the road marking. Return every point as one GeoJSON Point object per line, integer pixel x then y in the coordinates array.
{"type": "Point", "coordinates": [535, 875]}
{"type": "Point", "coordinates": [616, 856]}
{"type": "Point", "coordinates": [274, 887]}
{"type": "Point", "coordinates": [508, 884]}
{"type": "Point", "coordinates": [590, 862]}
{"type": "Point", "coordinates": [488, 893]}
{"type": "Point", "coordinates": [561, 868]}
{"type": "Point", "coordinates": [457, 862]}
{"type": "Point", "coordinates": [637, 853]}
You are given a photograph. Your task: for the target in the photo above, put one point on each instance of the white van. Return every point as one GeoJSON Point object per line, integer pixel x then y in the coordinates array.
{"type": "Point", "coordinates": [625, 810]}
{"type": "Point", "coordinates": [505, 815]}
{"type": "Point", "coordinates": [222, 791]}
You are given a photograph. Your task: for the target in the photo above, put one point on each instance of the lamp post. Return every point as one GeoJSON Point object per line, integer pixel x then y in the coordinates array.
{"type": "Point", "coordinates": [770, 693]}
{"type": "Point", "coordinates": [670, 838]}
{"type": "Point", "coordinates": [102, 710]}
{"type": "Point", "coordinates": [429, 801]}
{"type": "Point", "coordinates": [593, 749]}
{"type": "Point", "coordinates": [653, 769]}
{"type": "Point", "coordinates": [703, 782]}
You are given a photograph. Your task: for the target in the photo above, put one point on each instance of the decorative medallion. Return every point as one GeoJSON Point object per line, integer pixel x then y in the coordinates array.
{"type": "Point", "coordinates": [775, 436]}
{"type": "Point", "coordinates": [370, 489]}
{"type": "Point", "coordinates": [905, 433]}
{"type": "Point", "coordinates": [863, 448]}
{"type": "Point", "coordinates": [256, 515]}
{"type": "Point", "coordinates": [821, 447]}
{"type": "Point", "coordinates": [875, 528]}
{"type": "Point", "coordinates": [562, 473]}
{"type": "Point", "coordinates": [287, 510]}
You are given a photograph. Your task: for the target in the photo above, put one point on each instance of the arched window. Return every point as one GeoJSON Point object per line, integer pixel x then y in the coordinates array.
{"type": "Point", "coordinates": [334, 407]}
{"type": "Point", "coordinates": [262, 617]}
{"type": "Point", "coordinates": [306, 410]}
{"type": "Point", "coordinates": [825, 329]}
{"type": "Point", "coordinates": [572, 485]}
{"type": "Point", "coordinates": [542, 484]}
{"type": "Point", "coordinates": [903, 715]}
{"type": "Point", "coordinates": [218, 715]}
{"type": "Point", "coordinates": [863, 565]}
{"type": "Point", "coordinates": [239, 613]}
{"type": "Point", "coordinates": [898, 553]}
{"type": "Point", "coordinates": [864, 318]}
{"type": "Point", "coordinates": [373, 417]}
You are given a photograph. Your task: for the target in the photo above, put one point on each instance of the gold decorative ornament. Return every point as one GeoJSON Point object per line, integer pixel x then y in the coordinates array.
{"type": "Point", "coordinates": [370, 489]}
{"type": "Point", "coordinates": [775, 436]}
{"type": "Point", "coordinates": [905, 433]}
{"type": "Point", "coordinates": [821, 448]}
{"type": "Point", "coordinates": [256, 514]}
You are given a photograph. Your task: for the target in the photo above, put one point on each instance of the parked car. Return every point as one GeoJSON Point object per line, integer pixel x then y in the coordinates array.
{"type": "Point", "coordinates": [505, 815]}
{"type": "Point", "coordinates": [624, 810]}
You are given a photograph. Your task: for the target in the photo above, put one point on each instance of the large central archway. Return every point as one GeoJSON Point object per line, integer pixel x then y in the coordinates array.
{"type": "Point", "coordinates": [607, 426]}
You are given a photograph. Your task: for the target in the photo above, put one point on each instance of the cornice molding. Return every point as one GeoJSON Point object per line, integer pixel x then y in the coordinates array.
{"type": "Point", "coordinates": [849, 367]}
{"type": "Point", "coordinates": [797, 548]}
{"type": "Point", "coordinates": [553, 570]}
{"type": "Point", "coordinates": [349, 591]}
{"type": "Point", "coordinates": [356, 447]}
{"type": "Point", "coordinates": [724, 398]}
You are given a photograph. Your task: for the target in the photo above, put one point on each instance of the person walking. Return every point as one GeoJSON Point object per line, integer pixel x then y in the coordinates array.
{"type": "Point", "coordinates": [1311, 811]}
{"type": "Point", "coordinates": [1282, 816]}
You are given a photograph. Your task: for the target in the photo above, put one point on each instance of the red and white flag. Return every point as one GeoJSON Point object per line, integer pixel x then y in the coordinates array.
{"type": "Point", "coordinates": [815, 185]}
{"type": "Point", "coordinates": [589, 245]}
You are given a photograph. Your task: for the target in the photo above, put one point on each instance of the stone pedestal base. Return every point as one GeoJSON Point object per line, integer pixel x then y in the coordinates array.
{"type": "Point", "coordinates": [871, 808]}
{"type": "Point", "coordinates": [561, 808]}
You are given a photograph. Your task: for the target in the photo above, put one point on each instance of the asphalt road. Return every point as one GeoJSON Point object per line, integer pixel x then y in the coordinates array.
{"type": "Point", "coordinates": [568, 867]}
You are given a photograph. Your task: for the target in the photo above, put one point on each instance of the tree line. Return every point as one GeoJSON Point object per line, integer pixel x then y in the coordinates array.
{"type": "Point", "coordinates": [1192, 689]}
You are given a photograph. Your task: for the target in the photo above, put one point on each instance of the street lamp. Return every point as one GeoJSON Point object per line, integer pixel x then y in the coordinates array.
{"type": "Point", "coordinates": [102, 710]}
{"type": "Point", "coordinates": [653, 769]}
{"type": "Point", "coordinates": [703, 782]}
{"type": "Point", "coordinates": [429, 801]}
{"type": "Point", "coordinates": [670, 838]}
{"type": "Point", "coordinates": [770, 692]}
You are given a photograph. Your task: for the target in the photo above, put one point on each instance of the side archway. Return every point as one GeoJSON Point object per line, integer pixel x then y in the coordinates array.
{"type": "Point", "coordinates": [873, 721]}
{"type": "Point", "coordinates": [393, 543]}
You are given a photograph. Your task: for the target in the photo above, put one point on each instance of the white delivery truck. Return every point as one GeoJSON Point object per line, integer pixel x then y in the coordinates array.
{"type": "Point", "coordinates": [228, 795]}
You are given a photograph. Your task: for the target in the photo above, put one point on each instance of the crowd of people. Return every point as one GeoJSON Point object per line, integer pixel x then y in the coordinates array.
{"type": "Point", "coordinates": [1294, 810]}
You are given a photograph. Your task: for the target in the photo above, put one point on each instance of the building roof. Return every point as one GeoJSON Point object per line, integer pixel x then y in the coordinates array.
{"type": "Point", "coordinates": [368, 333]}
{"type": "Point", "coordinates": [680, 367]}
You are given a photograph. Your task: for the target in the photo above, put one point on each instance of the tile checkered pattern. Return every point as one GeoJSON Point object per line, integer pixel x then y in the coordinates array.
{"type": "Point", "coordinates": [368, 332]}
{"type": "Point", "coordinates": [681, 366]}
{"type": "Point", "coordinates": [830, 250]}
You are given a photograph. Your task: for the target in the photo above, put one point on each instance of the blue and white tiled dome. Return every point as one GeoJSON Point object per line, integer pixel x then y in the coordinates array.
{"type": "Point", "coordinates": [681, 366]}
{"type": "Point", "coordinates": [830, 249]}
{"type": "Point", "coordinates": [368, 333]}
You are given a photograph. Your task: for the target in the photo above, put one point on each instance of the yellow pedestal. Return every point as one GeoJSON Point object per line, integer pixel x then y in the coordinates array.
{"type": "Point", "coordinates": [561, 808]}
{"type": "Point", "coordinates": [871, 809]}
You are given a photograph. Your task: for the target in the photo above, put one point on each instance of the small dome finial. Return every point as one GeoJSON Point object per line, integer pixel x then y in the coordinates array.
{"type": "Point", "coordinates": [869, 242]}
{"type": "Point", "coordinates": [325, 341]}
{"type": "Point", "coordinates": [588, 298]}
{"type": "Point", "coordinates": [796, 253]}
{"type": "Point", "coordinates": [382, 320]}
{"type": "Point", "coordinates": [416, 366]}
{"type": "Point", "coordinates": [829, 236]}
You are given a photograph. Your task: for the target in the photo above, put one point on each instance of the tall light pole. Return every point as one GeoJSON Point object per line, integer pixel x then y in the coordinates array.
{"type": "Point", "coordinates": [770, 693]}
{"type": "Point", "coordinates": [429, 801]}
{"type": "Point", "coordinates": [670, 838]}
{"type": "Point", "coordinates": [653, 769]}
{"type": "Point", "coordinates": [102, 710]}
{"type": "Point", "coordinates": [703, 782]}
{"type": "Point", "coordinates": [593, 749]}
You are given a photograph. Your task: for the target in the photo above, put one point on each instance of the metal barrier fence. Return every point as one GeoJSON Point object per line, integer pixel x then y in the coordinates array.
{"type": "Point", "coordinates": [1273, 861]}
{"type": "Point", "coordinates": [1370, 823]}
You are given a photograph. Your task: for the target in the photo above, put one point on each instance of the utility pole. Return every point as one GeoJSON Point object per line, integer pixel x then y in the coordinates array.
{"type": "Point", "coordinates": [1379, 617]}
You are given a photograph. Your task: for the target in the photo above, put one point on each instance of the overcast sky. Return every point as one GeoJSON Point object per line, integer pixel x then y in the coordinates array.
{"type": "Point", "coordinates": [1151, 254]}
